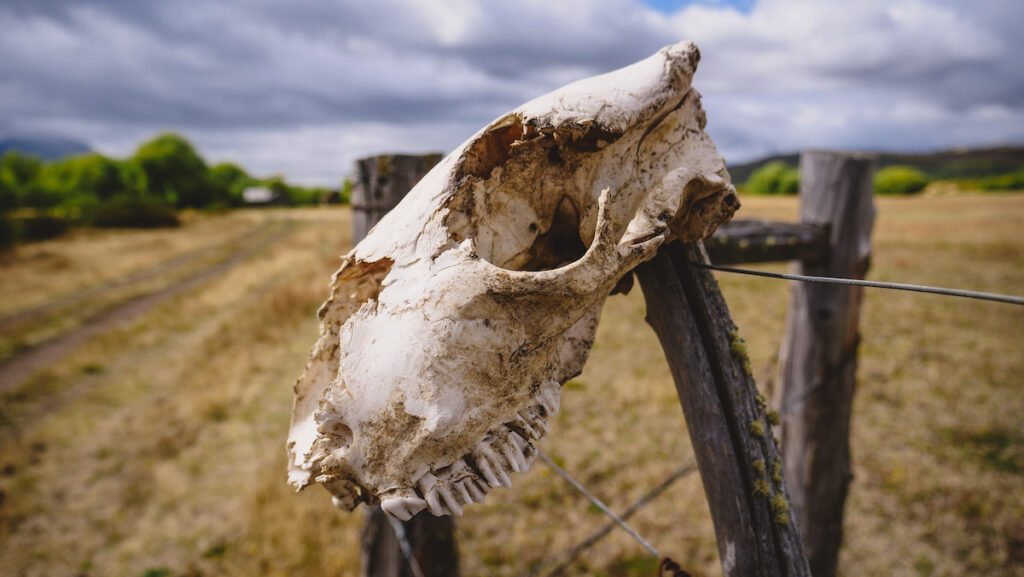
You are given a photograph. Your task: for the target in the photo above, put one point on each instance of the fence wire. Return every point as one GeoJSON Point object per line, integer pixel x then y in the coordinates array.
{"type": "Point", "coordinates": [574, 553]}
{"type": "Point", "coordinates": [985, 296]}
{"type": "Point", "coordinates": [405, 546]}
{"type": "Point", "coordinates": [599, 504]}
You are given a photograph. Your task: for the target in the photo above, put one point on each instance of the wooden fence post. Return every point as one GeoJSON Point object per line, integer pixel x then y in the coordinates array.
{"type": "Point", "coordinates": [381, 182]}
{"type": "Point", "coordinates": [818, 358]}
{"type": "Point", "coordinates": [727, 420]}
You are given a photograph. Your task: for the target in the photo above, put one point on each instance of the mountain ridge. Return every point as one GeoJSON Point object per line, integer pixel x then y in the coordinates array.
{"type": "Point", "coordinates": [45, 147]}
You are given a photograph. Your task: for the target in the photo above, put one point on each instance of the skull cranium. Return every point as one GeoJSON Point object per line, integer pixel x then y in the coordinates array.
{"type": "Point", "coordinates": [451, 327]}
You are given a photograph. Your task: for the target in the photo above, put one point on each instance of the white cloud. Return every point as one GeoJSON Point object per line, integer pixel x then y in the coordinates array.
{"type": "Point", "coordinates": [304, 87]}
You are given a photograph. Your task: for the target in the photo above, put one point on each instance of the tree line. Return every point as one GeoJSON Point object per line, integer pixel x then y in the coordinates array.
{"type": "Point", "coordinates": [165, 174]}
{"type": "Point", "coordinates": [777, 177]}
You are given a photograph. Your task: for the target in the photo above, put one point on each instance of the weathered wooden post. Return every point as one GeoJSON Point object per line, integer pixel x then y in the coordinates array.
{"type": "Point", "coordinates": [381, 182]}
{"type": "Point", "coordinates": [818, 359]}
{"type": "Point", "coordinates": [728, 423]}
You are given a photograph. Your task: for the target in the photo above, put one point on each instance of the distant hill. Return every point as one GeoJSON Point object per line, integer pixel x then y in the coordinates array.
{"type": "Point", "coordinates": [945, 164]}
{"type": "Point", "coordinates": [45, 147]}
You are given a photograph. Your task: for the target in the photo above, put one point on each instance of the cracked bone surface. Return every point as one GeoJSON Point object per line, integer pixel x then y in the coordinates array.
{"type": "Point", "coordinates": [451, 327]}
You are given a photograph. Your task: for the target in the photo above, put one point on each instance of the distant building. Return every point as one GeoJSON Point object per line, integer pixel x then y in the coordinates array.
{"type": "Point", "coordinates": [262, 196]}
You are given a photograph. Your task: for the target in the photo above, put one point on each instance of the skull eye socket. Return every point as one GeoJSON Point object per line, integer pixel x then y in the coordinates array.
{"type": "Point", "coordinates": [523, 196]}
{"type": "Point", "coordinates": [558, 245]}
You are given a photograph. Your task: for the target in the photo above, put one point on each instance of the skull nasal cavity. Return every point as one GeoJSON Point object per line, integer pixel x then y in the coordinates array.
{"type": "Point", "coordinates": [560, 244]}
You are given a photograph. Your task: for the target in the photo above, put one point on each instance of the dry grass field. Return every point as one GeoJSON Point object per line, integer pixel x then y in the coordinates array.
{"type": "Point", "coordinates": [156, 448]}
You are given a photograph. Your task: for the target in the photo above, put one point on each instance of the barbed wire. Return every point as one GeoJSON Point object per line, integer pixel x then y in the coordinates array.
{"type": "Point", "coordinates": [986, 296]}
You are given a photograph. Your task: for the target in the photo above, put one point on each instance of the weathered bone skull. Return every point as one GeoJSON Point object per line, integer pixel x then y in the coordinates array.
{"type": "Point", "coordinates": [451, 327]}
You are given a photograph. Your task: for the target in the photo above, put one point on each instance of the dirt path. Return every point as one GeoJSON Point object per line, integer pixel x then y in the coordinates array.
{"type": "Point", "coordinates": [179, 262]}
{"type": "Point", "coordinates": [15, 370]}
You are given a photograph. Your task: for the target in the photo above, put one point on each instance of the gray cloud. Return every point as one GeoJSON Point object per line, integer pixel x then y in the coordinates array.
{"type": "Point", "coordinates": [304, 87]}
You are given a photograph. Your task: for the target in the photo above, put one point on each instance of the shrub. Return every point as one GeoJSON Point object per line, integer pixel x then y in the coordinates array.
{"type": "Point", "coordinates": [773, 178]}
{"type": "Point", "coordinates": [7, 233]}
{"type": "Point", "coordinates": [1003, 182]}
{"type": "Point", "coordinates": [900, 180]}
{"type": "Point", "coordinates": [133, 212]}
{"type": "Point", "coordinates": [42, 227]}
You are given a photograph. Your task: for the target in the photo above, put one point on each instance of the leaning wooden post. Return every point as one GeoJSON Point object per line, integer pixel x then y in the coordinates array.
{"type": "Point", "coordinates": [818, 359]}
{"type": "Point", "coordinates": [381, 182]}
{"type": "Point", "coordinates": [729, 425]}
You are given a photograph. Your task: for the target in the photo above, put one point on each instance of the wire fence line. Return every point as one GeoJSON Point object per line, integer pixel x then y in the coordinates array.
{"type": "Point", "coordinates": [978, 295]}
{"type": "Point", "coordinates": [599, 504]}
{"type": "Point", "coordinates": [405, 546]}
{"type": "Point", "coordinates": [574, 553]}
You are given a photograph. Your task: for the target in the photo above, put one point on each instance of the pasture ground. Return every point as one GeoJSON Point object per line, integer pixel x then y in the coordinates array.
{"type": "Point", "coordinates": [157, 448]}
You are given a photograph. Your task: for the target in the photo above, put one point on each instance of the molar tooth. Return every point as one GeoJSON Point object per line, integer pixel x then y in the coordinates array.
{"type": "Point", "coordinates": [428, 485]}
{"type": "Point", "coordinates": [518, 440]}
{"type": "Point", "coordinates": [524, 423]}
{"type": "Point", "coordinates": [485, 468]}
{"type": "Point", "coordinates": [450, 501]}
{"type": "Point", "coordinates": [513, 461]}
{"type": "Point", "coordinates": [403, 508]}
{"type": "Point", "coordinates": [519, 447]}
{"type": "Point", "coordinates": [434, 501]}
{"type": "Point", "coordinates": [426, 482]}
{"type": "Point", "coordinates": [498, 476]}
{"type": "Point", "coordinates": [542, 426]}
{"type": "Point", "coordinates": [503, 477]}
{"type": "Point", "coordinates": [477, 490]}
{"type": "Point", "coordinates": [463, 491]}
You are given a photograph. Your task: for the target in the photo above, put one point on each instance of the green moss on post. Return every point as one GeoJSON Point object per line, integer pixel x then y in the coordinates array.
{"type": "Point", "coordinates": [780, 509]}
{"type": "Point", "coordinates": [739, 350]}
{"type": "Point", "coordinates": [757, 428]}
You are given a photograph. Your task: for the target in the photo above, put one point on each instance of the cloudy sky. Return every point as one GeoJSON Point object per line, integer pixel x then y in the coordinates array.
{"type": "Point", "coordinates": [302, 87]}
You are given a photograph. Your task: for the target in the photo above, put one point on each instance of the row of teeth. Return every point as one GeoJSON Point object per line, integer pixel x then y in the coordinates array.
{"type": "Point", "coordinates": [508, 447]}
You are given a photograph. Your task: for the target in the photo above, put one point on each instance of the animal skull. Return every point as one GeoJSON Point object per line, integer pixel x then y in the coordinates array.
{"type": "Point", "coordinates": [451, 327]}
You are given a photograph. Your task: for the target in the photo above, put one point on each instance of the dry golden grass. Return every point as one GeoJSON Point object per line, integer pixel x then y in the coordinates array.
{"type": "Point", "coordinates": [160, 445]}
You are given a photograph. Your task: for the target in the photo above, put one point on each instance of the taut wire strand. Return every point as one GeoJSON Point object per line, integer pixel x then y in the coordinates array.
{"type": "Point", "coordinates": [600, 505]}
{"type": "Point", "coordinates": [574, 553]}
{"type": "Point", "coordinates": [405, 546]}
{"type": "Point", "coordinates": [1000, 298]}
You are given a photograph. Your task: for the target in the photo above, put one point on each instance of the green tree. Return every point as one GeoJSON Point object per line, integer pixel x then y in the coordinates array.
{"type": "Point", "coordinates": [345, 193]}
{"type": "Point", "coordinates": [900, 180]}
{"type": "Point", "coordinates": [174, 171]}
{"type": "Point", "coordinates": [133, 178]}
{"type": "Point", "coordinates": [229, 181]}
{"type": "Point", "coordinates": [18, 180]}
{"type": "Point", "coordinates": [88, 176]}
{"type": "Point", "coordinates": [773, 178]}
